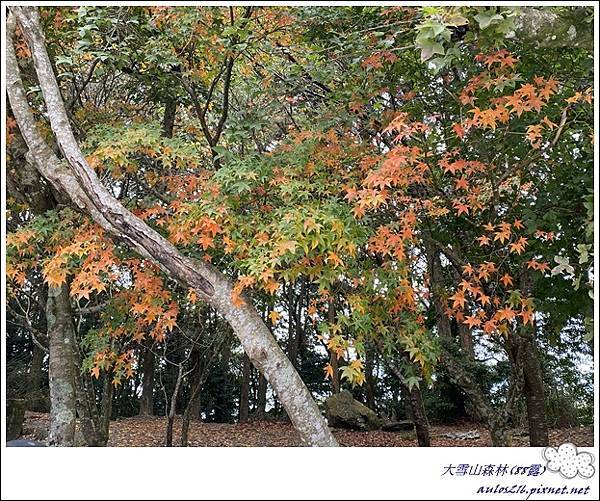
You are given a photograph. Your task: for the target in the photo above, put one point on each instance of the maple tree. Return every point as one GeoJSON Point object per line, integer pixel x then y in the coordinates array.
{"type": "Point", "coordinates": [395, 203]}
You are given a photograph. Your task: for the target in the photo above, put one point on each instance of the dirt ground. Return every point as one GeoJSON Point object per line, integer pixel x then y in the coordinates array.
{"type": "Point", "coordinates": [150, 432]}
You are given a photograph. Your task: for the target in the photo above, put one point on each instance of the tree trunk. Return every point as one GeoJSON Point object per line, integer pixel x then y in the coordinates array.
{"type": "Point", "coordinates": [82, 185]}
{"type": "Point", "coordinates": [418, 416]}
{"type": "Point", "coordinates": [173, 406]}
{"type": "Point", "coordinates": [261, 399]}
{"type": "Point", "coordinates": [148, 369]}
{"type": "Point", "coordinates": [293, 341]}
{"type": "Point", "coordinates": [168, 123]}
{"type": "Point", "coordinates": [333, 359]}
{"type": "Point", "coordinates": [492, 420]}
{"type": "Point", "coordinates": [106, 407]}
{"type": "Point", "coordinates": [61, 335]}
{"type": "Point", "coordinates": [89, 418]}
{"type": "Point", "coordinates": [466, 341]}
{"type": "Point", "coordinates": [245, 390]}
{"type": "Point", "coordinates": [533, 383]}
{"type": "Point", "coordinates": [335, 373]}
{"type": "Point", "coordinates": [34, 386]}
{"type": "Point", "coordinates": [191, 410]}
{"type": "Point", "coordinates": [195, 382]}
{"type": "Point", "coordinates": [415, 407]}
{"type": "Point", "coordinates": [370, 379]}
{"type": "Point", "coordinates": [533, 388]}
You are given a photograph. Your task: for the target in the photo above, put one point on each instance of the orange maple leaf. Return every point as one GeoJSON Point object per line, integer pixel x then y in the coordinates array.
{"type": "Point", "coordinates": [518, 246]}
{"type": "Point", "coordinates": [458, 130]}
{"type": "Point", "coordinates": [472, 321]}
{"type": "Point", "coordinates": [458, 299]}
{"type": "Point", "coordinates": [461, 183]}
{"type": "Point", "coordinates": [461, 208]}
{"type": "Point", "coordinates": [483, 240]}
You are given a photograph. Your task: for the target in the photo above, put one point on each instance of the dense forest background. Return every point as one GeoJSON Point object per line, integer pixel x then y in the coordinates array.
{"type": "Point", "coordinates": [229, 214]}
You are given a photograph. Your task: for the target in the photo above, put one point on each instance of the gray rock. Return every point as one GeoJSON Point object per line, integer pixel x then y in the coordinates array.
{"type": "Point", "coordinates": [405, 426]}
{"type": "Point", "coordinates": [343, 411]}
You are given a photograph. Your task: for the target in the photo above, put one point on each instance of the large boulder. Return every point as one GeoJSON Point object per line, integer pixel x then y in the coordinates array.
{"type": "Point", "coordinates": [343, 411]}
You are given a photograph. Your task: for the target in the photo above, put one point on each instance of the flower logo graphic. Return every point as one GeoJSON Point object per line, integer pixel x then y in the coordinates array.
{"type": "Point", "coordinates": [568, 462]}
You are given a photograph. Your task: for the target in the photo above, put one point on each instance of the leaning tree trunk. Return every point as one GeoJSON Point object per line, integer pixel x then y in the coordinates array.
{"type": "Point", "coordinates": [416, 407]}
{"type": "Point", "coordinates": [419, 416]}
{"type": "Point", "coordinates": [81, 184]}
{"type": "Point", "coordinates": [61, 335]}
{"type": "Point", "coordinates": [495, 422]}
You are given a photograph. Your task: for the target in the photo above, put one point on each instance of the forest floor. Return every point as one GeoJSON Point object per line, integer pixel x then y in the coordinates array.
{"type": "Point", "coordinates": [150, 432]}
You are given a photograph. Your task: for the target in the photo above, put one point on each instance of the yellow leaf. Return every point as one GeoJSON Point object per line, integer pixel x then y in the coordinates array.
{"type": "Point", "coordinates": [274, 317]}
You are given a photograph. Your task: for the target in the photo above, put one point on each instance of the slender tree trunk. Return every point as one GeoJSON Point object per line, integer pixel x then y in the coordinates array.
{"type": "Point", "coordinates": [333, 359]}
{"type": "Point", "coordinates": [418, 416]}
{"type": "Point", "coordinates": [261, 399]}
{"type": "Point", "coordinates": [34, 385]}
{"type": "Point", "coordinates": [370, 378]}
{"type": "Point", "coordinates": [89, 418]}
{"type": "Point", "coordinates": [292, 344]}
{"type": "Point", "coordinates": [168, 123]}
{"type": "Point", "coordinates": [245, 390]}
{"type": "Point", "coordinates": [415, 406]}
{"type": "Point", "coordinates": [466, 341]}
{"type": "Point", "coordinates": [533, 383]}
{"type": "Point", "coordinates": [61, 335]}
{"type": "Point", "coordinates": [190, 411]}
{"type": "Point", "coordinates": [534, 391]}
{"type": "Point", "coordinates": [173, 406]}
{"type": "Point", "coordinates": [195, 382]}
{"type": "Point", "coordinates": [148, 370]}
{"type": "Point", "coordinates": [106, 408]}
{"type": "Point", "coordinates": [79, 181]}
{"type": "Point", "coordinates": [335, 373]}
